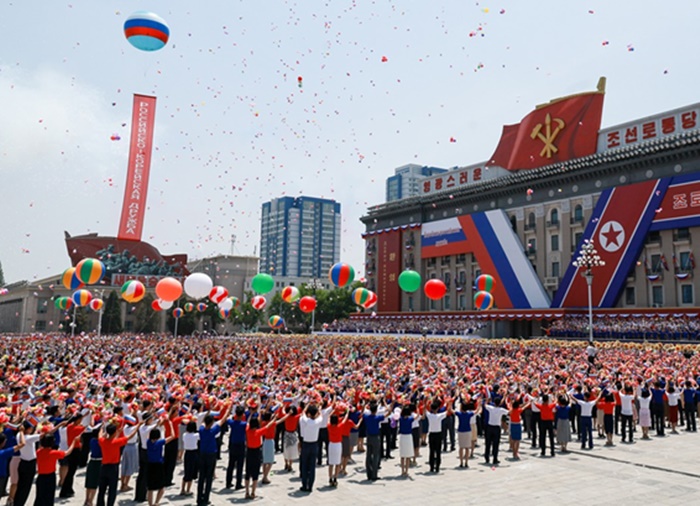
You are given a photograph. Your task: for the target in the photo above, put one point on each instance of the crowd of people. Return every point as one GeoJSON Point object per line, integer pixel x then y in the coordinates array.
{"type": "Point", "coordinates": [632, 327]}
{"type": "Point", "coordinates": [144, 413]}
{"type": "Point", "coordinates": [420, 325]}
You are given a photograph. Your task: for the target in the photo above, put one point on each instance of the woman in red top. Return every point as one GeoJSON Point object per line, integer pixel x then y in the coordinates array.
{"type": "Point", "coordinates": [516, 430]}
{"type": "Point", "coordinates": [74, 430]}
{"type": "Point", "coordinates": [268, 448]}
{"type": "Point", "coordinates": [336, 428]}
{"type": "Point", "coordinates": [546, 424]}
{"type": "Point", "coordinates": [608, 407]}
{"type": "Point", "coordinates": [46, 459]}
{"type": "Point", "coordinates": [254, 440]}
{"type": "Point", "coordinates": [291, 438]}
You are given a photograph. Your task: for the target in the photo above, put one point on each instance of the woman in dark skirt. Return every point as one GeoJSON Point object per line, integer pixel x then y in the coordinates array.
{"type": "Point", "coordinates": [92, 475]}
{"type": "Point", "coordinates": [190, 441]}
{"type": "Point", "coordinates": [156, 465]}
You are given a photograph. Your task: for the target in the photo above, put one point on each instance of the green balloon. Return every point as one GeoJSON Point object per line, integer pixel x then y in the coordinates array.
{"type": "Point", "coordinates": [409, 281]}
{"type": "Point", "coordinates": [262, 283]}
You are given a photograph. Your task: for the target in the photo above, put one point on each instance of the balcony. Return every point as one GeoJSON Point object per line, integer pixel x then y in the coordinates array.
{"type": "Point", "coordinates": [551, 282]}
{"type": "Point", "coordinates": [531, 252]}
{"type": "Point", "coordinates": [553, 224]}
{"type": "Point", "coordinates": [682, 235]}
{"type": "Point", "coordinates": [576, 220]}
{"type": "Point", "coordinates": [529, 226]}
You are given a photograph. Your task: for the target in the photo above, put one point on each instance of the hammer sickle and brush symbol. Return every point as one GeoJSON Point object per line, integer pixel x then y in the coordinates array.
{"type": "Point", "coordinates": [548, 136]}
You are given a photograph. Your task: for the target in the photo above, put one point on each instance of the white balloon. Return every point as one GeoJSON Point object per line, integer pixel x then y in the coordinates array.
{"type": "Point", "coordinates": [165, 304]}
{"type": "Point", "coordinates": [226, 304]}
{"type": "Point", "coordinates": [198, 285]}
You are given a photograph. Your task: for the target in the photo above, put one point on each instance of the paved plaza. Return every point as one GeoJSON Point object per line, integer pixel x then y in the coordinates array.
{"type": "Point", "coordinates": [663, 470]}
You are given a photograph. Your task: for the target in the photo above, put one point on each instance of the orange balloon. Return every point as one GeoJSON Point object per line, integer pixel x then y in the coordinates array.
{"type": "Point", "coordinates": [169, 289]}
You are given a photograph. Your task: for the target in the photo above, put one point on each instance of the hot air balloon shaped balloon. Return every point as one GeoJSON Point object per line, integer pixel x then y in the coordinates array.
{"type": "Point", "coordinates": [178, 312]}
{"type": "Point", "coordinates": [485, 283]}
{"type": "Point", "coordinates": [290, 294]}
{"type": "Point", "coordinates": [146, 31]}
{"type": "Point", "coordinates": [90, 271]}
{"type": "Point", "coordinates": [133, 291]}
{"type": "Point", "coordinates": [341, 274]}
{"type": "Point", "coordinates": [188, 307]}
{"type": "Point", "coordinates": [217, 294]}
{"type": "Point", "coordinates": [223, 313]}
{"type": "Point", "coordinates": [201, 307]}
{"type": "Point", "coordinates": [96, 304]}
{"type": "Point", "coordinates": [483, 300]}
{"type": "Point", "coordinates": [70, 280]}
{"type": "Point", "coordinates": [258, 302]}
{"type": "Point", "coordinates": [81, 298]}
{"type": "Point", "coordinates": [360, 296]}
{"type": "Point", "coordinates": [276, 322]}
{"type": "Point", "coordinates": [64, 303]}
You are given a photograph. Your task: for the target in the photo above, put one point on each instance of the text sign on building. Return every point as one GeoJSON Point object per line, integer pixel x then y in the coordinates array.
{"type": "Point", "coordinates": [389, 260]}
{"type": "Point", "coordinates": [460, 177]}
{"type": "Point", "coordinates": [649, 129]}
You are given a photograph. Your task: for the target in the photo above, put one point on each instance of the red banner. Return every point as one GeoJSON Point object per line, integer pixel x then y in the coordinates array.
{"type": "Point", "coordinates": [680, 201]}
{"type": "Point", "coordinates": [136, 189]}
{"type": "Point", "coordinates": [388, 270]}
{"type": "Point", "coordinates": [561, 130]}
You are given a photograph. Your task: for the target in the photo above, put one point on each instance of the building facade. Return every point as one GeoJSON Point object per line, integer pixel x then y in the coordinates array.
{"type": "Point", "coordinates": [636, 194]}
{"type": "Point", "coordinates": [406, 181]}
{"type": "Point", "coordinates": [299, 237]}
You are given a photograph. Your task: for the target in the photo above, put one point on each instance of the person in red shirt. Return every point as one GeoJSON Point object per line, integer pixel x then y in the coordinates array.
{"type": "Point", "coordinates": [74, 430]}
{"type": "Point", "coordinates": [254, 436]}
{"type": "Point", "coordinates": [291, 438]}
{"type": "Point", "coordinates": [336, 428]}
{"type": "Point", "coordinates": [516, 432]}
{"type": "Point", "coordinates": [171, 449]}
{"type": "Point", "coordinates": [608, 407]}
{"type": "Point", "coordinates": [546, 424]}
{"type": "Point", "coordinates": [111, 442]}
{"type": "Point", "coordinates": [46, 459]}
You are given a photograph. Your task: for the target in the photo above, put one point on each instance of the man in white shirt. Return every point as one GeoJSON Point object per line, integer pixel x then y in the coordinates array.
{"type": "Point", "coordinates": [323, 434]}
{"type": "Point", "coordinates": [309, 427]}
{"type": "Point", "coordinates": [435, 435]}
{"type": "Point", "coordinates": [627, 412]}
{"type": "Point", "coordinates": [27, 464]}
{"type": "Point", "coordinates": [493, 430]}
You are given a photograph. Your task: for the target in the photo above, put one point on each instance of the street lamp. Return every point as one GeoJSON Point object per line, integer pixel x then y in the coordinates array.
{"type": "Point", "coordinates": [587, 259]}
{"type": "Point", "coordinates": [314, 285]}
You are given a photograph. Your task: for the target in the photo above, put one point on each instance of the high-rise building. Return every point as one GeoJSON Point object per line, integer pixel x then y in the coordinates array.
{"type": "Point", "coordinates": [299, 237]}
{"type": "Point", "coordinates": [406, 181]}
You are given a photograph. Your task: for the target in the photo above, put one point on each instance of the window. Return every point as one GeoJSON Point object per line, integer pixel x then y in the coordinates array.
{"type": "Point", "coordinates": [462, 302]}
{"type": "Point", "coordinates": [657, 296]}
{"type": "Point", "coordinates": [554, 217]}
{"type": "Point", "coordinates": [682, 233]}
{"type": "Point", "coordinates": [686, 294]}
{"type": "Point", "coordinates": [629, 296]}
{"type": "Point", "coordinates": [410, 303]}
{"type": "Point", "coordinates": [578, 213]}
{"type": "Point", "coordinates": [555, 269]}
{"type": "Point", "coordinates": [42, 305]}
{"type": "Point", "coordinates": [656, 263]}
{"type": "Point", "coordinates": [578, 236]}
{"type": "Point", "coordinates": [531, 220]}
{"type": "Point", "coordinates": [684, 260]}
{"type": "Point", "coordinates": [532, 245]}
{"type": "Point", "coordinates": [446, 277]}
{"type": "Point", "coordinates": [654, 236]}
{"type": "Point", "coordinates": [514, 224]}
{"type": "Point", "coordinates": [446, 302]}
{"type": "Point", "coordinates": [555, 242]}
{"type": "Point", "coordinates": [432, 305]}
{"type": "Point", "coordinates": [40, 325]}
{"type": "Point", "coordinates": [461, 258]}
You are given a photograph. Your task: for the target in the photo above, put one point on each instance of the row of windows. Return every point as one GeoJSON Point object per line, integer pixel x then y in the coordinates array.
{"type": "Point", "coordinates": [657, 295]}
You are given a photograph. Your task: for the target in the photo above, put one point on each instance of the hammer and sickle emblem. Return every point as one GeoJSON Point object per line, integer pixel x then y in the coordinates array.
{"type": "Point", "coordinates": [549, 135]}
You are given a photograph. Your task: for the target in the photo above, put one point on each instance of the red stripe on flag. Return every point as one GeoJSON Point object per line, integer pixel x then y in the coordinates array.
{"type": "Point", "coordinates": [149, 32]}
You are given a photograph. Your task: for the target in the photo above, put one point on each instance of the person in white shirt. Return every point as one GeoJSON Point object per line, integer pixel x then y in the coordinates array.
{"type": "Point", "coordinates": [673, 396]}
{"type": "Point", "coordinates": [309, 427]}
{"type": "Point", "coordinates": [435, 434]}
{"type": "Point", "coordinates": [627, 398]}
{"type": "Point", "coordinates": [493, 430]}
{"type": "Point", "coordinates": [190, 441]}
{"type": "Point", "coordinates": [27, 463]}
{"type": "Point", "coordinates": [586, 417]}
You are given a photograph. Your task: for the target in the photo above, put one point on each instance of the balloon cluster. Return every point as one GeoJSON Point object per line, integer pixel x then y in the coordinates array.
{"type": "Point", "coordinates": [483, 300]}
{"type": "Point", "coordinates": [89, 271]}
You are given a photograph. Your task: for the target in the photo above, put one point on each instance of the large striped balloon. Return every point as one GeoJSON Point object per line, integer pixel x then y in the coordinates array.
{"type": "Point", "coordinates": [64, 303]}
{"type": "Point", "coordinates": [81, 298]}
{"type": "Point", "coordinates": [217, 294]}
{"type": "Point", "coordinates": [146, 31]}
{"type": "Point", "coordinates": [360, 296]}
{"type": "Point", "coordinates": [290, 294]}
{"type": "Point", "coordinates": [371, 301]}
{"type": "Point", "coordinates": [133, 291]}
{"type": "Point", "coordinates": [258, 302]}
{"type": "Point", "coordinates": [276, 322]}
{"type": "Point", "coordinates": [96, 304]}
{"type": "Point", "coordinates": [341, 274]}
{"type": "Point", "coordinates": [90, 271]}
{"type": "Point", "coordinates": [485, 283]}
{"type": "Point", "coordinates": [70, 280]}
{"type": "Point", "coordinates": [483, 300]}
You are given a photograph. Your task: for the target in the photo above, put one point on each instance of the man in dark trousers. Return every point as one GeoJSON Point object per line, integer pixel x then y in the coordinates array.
{"type": "Point", "coordinates": [309, 426]}
{"type": "Point", "coordinates": [372, 421]}
{"type": "Point", "coordinates": [236, 448]}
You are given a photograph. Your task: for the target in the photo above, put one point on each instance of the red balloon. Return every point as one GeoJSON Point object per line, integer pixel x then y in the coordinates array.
{"type": "Point", "coordinates": [435, 289]}
{"type": "Point", "coordinates": [307, 304]}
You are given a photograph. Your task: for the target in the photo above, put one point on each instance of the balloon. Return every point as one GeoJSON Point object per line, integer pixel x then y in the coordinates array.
{"type": "Point", "coordinates": [81, 298]}
{"type": "Point", "coordinates": [276, 322]}
{"type": "Point", "coordinates": [371, 301]}
{"type": "Point", "coordinates": [178, 312]}
{"type": "Point", "coordinates": [169, 289]}
{"type": "Point", "coordinates": [156, 305]}
{"type": "Point", "coordinates": [4, 291]}
{"type": "Point", "coordinates": [166, 304]}
{"type": "Point", "coordinates": [434, 289]}
{"type": "Point", "coordinates": [262, 283]}
{"type": "Point", "coordinates": [360, 296]}
{"type": "Point", "coordinates": [226, 304]}
{"type": "Point", "coordinates": [307, 304]}
{"type": "Point", "coordinates": [198, 285]}
{"type": "Point", "coordinates": [90, 271]}
{"type": "Point", "coordinates": [96, 304]}
{"type": "Point", "coordinates": [133, 291]}
{"type": "Point", "coordinates": [201, 307]}
{"type": "Point", "coordinates": [483, 300]}
{"type": "Point", "coordinates": [341, 274]}
{"type": "Point", "coordinates": [409, 281]}
{"type": "Point", "coordinates": [188, 307]}
{"type": "Point", "coordinates": [236, 301]}
{"type": "Point", "coordinates": [146, 31]}
{"type": "Point", "coordinates": [70, 280]}
{"type": "Point", "coordinates": [485, 283]}
{"type": "Point", "coordinates": [217, 294]}
{"type": "Point", "coordinates": [258, 302]}
{"type": "Point", "coordinates": [63, 303]}
{"type": "Point", "coordinates": [223, 313]}
{"type": "Point", "coordinates": [290, 294]}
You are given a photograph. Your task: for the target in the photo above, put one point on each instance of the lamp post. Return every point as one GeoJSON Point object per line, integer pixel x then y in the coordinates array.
{"type": "Point", "coordinates": [587, 259]}
{"type": "Point", "coordinates": [315, 284]}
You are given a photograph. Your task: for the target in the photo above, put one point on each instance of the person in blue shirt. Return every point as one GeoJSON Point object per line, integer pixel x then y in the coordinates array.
{"type": "Point", "coordinates": [689, 406]}
{"type": "Point", "coordinates": [236, 448]}
{"type": "Point", "coordinates": [92, 475]}
{"type": "Point", "coordinates": [208, 448]}
{"type": "Point", "coordinates": [464, 431]}
{"type": "Point", "coordinates": [372, 421]}
{"type": "Point", "coordinates": [156, 464]}
{"type": "Point", "coordinates": [5, 456]}
{"type": "Point", "coordinates": [658, 392]}
{"type": "Point", "coordinates": [406, 451]}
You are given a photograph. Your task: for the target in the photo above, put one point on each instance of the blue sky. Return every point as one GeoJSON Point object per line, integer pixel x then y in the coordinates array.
{"type": "Point", "coordinates": [233, 128]}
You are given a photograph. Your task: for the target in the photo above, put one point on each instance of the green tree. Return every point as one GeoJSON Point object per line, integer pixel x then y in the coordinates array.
{"type": "Point", "coordinates": [81, 321]}
{"type": "Point", "coordinates": [2, 276]}
{"type": "Point", "coordinates": [145, 319]}
{"type": "Point", "coordinates": [186, 323]}
{"type": "Point", "coordinates": [246, 315]}
{"type": "Point", "coordinates": [332, 305]}
{"type": "Point", "coordinates": [112, 316]}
